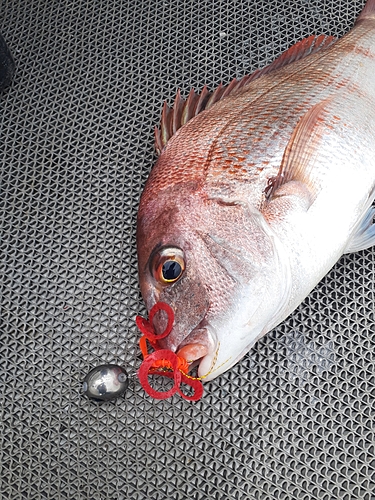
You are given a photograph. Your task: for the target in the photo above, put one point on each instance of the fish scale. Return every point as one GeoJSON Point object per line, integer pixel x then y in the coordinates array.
{"type": "Point", "coordinates": [262, 192]}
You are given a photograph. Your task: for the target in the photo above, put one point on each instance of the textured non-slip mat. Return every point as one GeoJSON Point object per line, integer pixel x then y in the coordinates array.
{"type": "Point", "coordinates": [295, 418]}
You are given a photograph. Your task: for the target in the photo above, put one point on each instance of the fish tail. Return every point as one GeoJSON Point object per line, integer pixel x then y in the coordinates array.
{"type": "Point", "coordinates": [368, 11]}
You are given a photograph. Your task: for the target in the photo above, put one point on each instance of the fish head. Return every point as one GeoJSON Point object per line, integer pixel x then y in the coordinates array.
{"type": "Point", "coordinates": [172, 269]}
{"type": "Point", "coordinates": [217, 265]}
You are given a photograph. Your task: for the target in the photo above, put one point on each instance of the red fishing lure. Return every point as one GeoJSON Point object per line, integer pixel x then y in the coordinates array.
{"type": "Point", "coordinates": [163, 361]}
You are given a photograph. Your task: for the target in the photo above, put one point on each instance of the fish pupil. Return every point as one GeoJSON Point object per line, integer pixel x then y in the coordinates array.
{"type": "Point", "coordinates": [171, 270]}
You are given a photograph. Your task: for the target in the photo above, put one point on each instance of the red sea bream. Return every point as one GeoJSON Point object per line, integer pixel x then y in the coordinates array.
{"type": "Point", "coordinates": [259, 189]}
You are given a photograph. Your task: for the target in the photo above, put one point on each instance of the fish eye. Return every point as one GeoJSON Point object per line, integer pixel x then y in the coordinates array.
{"type": "Point", "coordinates": [171, 270]}
{"type": "Point", "coordinates": [168, 265]}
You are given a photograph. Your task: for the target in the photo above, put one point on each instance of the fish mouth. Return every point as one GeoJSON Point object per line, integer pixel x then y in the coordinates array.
{"type": "Point", "coordinates": [192, 352]}
{"type": "Point", "coordinates": [198, 344]}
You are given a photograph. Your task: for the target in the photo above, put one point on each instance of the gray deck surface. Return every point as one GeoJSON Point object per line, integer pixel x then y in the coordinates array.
{"type": "Point", "coordinates": [293, 420]}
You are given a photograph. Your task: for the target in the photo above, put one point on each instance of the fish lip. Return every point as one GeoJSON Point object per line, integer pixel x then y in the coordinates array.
{"type": "Point", "coordinates": [207, 339]}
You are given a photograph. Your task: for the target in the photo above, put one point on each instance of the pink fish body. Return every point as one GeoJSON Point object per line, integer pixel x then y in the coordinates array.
{"type": "Point", "coordinates": [257, 195]}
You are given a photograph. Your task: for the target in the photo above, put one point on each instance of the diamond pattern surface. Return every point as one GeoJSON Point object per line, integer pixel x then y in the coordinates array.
{"type": "Point", "coordinates": [293, 420]}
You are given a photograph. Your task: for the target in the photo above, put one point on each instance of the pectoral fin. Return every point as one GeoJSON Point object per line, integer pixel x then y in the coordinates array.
{"type": "Point", "coordinates": [364, 233]}
{"type": "Point", "coordinates": [295, 173]}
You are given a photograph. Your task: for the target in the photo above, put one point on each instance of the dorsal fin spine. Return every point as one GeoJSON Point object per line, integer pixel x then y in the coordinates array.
{"type": "Point", "coordinates": [202, 99]}
{"type": "Point", "coordinates": [177, 112]}
{"type": "Point", "coordinates": [165, 124]}
{"type": "Point", "coordinates": [158, 141]}
{"type": "Point", "coordinates": [189, 106]}
{"type": "Point", "coordinates": [229, 88]}
{"type": "Point", "coordinates": [215, 96]}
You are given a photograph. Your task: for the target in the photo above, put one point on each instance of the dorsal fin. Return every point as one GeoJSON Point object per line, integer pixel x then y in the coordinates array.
{"type": "Point", "coordinates": [184, 109]}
